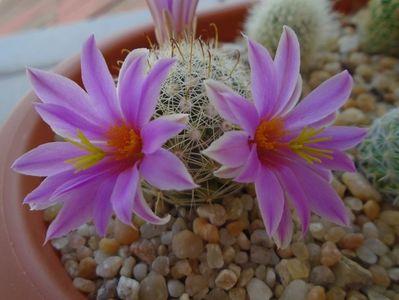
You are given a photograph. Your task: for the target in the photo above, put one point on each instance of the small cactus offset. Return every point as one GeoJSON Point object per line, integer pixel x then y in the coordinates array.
{"type": "Point", "coordinates": [310, 19]}
{"type": "Point", "coordinates": [378, 155]}
{"type": "Point", "coordinates": [381, 32]}
{"type": "Point", "coordinates": [184, 92]}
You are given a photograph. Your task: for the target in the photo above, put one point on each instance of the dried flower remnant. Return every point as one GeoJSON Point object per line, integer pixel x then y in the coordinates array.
{"type": "Point", "coordinates": [111, 142]}
{"type": "Point", "coordinates": [287, 150]}
{"type": "Point", "coordinates": [173, 19]}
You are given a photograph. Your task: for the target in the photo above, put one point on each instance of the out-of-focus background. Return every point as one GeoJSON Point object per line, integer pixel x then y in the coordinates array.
{"type": "Point", "coordinates": [41, 33]}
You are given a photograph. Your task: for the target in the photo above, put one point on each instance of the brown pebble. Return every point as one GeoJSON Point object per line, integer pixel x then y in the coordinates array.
{"type": "Point", "coordinates": [87, 268]}
{"type": "Point", "coordinates": [236, 227]}
{"type": "Point", "coordinates": [366, 102]}
{"type": "Point", "coordinates": [330, 255]}
{"type": "Point", "coordinates": [380, 276]}
{"type": "Point", "coordinates": [205, 230]}
{"type": "Point", "coordinates": [372, 209]}
{"type": "Point", "coordinates": [317, 293]}
{"type": "Point", "coordinates": [124, 234]}
{"type": "Point", "coordinates": [108, 246]}
{"type": "Point", "coordinates": [336, 293]}
{"type": "Point", "coordinates": [351, 241]}
{"type": "Point", "coordinates": [186, 244]}
{"type": "Point", "coordinates": [84, 285]}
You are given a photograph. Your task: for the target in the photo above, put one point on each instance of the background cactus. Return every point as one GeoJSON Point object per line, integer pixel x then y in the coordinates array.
{"type": "Point", "coordinates": [184, 92]}
{"type": "Point", "coordinates": [378, 155]}
{"type": "Point", "coordinates": [381, 28]}
{"type": "Point", "coordinates": [310, 19]}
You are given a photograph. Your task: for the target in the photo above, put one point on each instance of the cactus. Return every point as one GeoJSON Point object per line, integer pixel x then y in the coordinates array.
{"type": "Point", "coordinates": [378, 155]}
{"type": "Point", "coordinates": [184, 92]}
{"type": "Point", "coordinates": [310, 19]}
{"type": "Point", "coordinates": [381, 30]}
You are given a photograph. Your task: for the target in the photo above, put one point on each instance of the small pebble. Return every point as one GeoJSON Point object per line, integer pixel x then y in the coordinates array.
{"type": "Point", "coordinates": [298, 269]}
{"type": "Point", "coordinates": [195, 284]}
{"type": "Point", "coordinates": [87, 268]}
{"type": "Point", "coordinates": [206, 231]}
{"type": "Point", "coordinates": [351, 241]}
{"type": "Point", "coordinates": [180, 269]}
{"type": "Point", "coordinates": [140, 271]}
{"type": "Point", "coordinates": [258, 290]}
{"type": "Point", "coordinates": [317, 293]}
{"type": "Point", "coordinates": [297, 289]}
{"type": "Point", "coordinates": [237, 294]}
{"type": "Point", "coordinates": [153, 287]}
{"type": "Point", "coordinates": [360, 187]}
{"type": "Point", "coordinates": [214, 256]}
{"type": "Point", "coordinates": [260, 255]}
{"type": "Point", "coordinates": [371, 209]}
{"type": "Point", "coordinates": [390, 217]}
{"type": "Point", "coordinates": [366, 255]}
{"type": "Point", "coordinates": [175, 288]}
{"type": "Point", "coordinates": [226, 279]}
{"type": "Point", "coordinates": [186, 244]}
{"type": "Point", "coordinates": [215, 213]}
{"type": "Point", "coordinates": [322, 275]}
{"type": "Point", "coordinates": [380, 276]}
{"type": "Point", "coordinates": [108, 246]}
{"type": "Point", "coordinates": [109, 267]}
{"type": "Point", "coordinates": [161, 265]}
{"type": "Point", "coordinates": [128, 289]}
{"type": "Point", "coordinates": [330, 255]}
{"type": "Point", "coordinates": [127, 266]}
{"type": "Point", "coordinates": [144, 250]}
{"type": "Point", "coordinates": [124, 234]}
{"type": "Point", "coordinates": [84, 285]}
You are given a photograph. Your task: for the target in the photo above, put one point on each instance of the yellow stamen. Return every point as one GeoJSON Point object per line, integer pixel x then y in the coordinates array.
{"type": "Point", "coordinates": [85, 161]}
{"type": "Point", "coordinates": [301, 145]}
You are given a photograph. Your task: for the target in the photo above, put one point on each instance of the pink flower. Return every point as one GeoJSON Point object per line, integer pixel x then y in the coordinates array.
{"type": "Point", "coordinates": [287, 150]}
{"type": "Point", "coordinates": [111, 143]}
{"type": "Point", "coordinates": [172, 18]}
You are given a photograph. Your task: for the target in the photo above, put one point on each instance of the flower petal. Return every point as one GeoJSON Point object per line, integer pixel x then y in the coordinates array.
{"type": "Point", "coordinates": [66, 122]}
{"type": "Point", "coordinates": [323, 101]}
{"type": "Point", "coordinates": [151, 89]}
{"type": "Point", "coordinates": [102, 210]}
{"type": "Point", "coordinates": [294, 98]}
{"type": "Point", "coordinates": [141, 209]}
{"type": "Point", "coordinates": [59, 90]}
{"type": "Point", "coordinates": [249, 172]}
{"type": "Point", "coordinates": [130, 84]}
{"type": "Point", "coordinates": [47, 159]}
{"type": "Point", "coordinates": [165, 171]}
{"type": "Point", "coordinates": [124, 193]}
{"type": "Point", "coordinates": [297, 195]}
{"type": "Point", "coordinates": [231, 149]}
{"type": "Point", "coordinates": [342, 137]}
{"type": "Point", "coordinates": [270, 197]}
{"type": "Point", "coordinates": [227, 172]}
{"type": "Point", "coordinates": [340, 161]}
{"type": "Point", "coordinates": [283, 234]}
{"type": "Point", "coordinates": [156, 133]}
{"type": "Point", "coordinates": [73, 213]}
{"type": "Point", "coordinates": [232, 107]}
{"type": "Point", "coordinates": [263, 79]}
{"type": "Point", "coordinates": [287, 63]}
{"type": "Point", "coordinates": [98, 81]}
{"type": "Point", "coordinates": [322, 198]}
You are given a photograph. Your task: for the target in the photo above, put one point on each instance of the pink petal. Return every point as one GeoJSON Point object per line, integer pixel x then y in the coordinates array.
{"type": "Point", "coordinates": [231, 149]}
{"type": "Point", "coordinates": [270, 199]}
{"type": "Point", "coordinates": [293, 100]}
{"type": "Point", "coordinates": [98, 81]}
{"type": "Point", "coordinates": [73, 213]}
{"type": "Point", "coordinates": [157, 132]}
{"type": "Point", "coordinates": [297, 195]}
{"type": "Point", "coordinates": [249, 172]}
{"type": "Point", "coordinates": [41, 197]}
{"type": "Point", "coordinates": [151, 89]}
{"type": "Point", "coordinates": [59, 90]}
{"type": "Point", "coordinates": [142, 210]}
{"type": "Point", "coordinates": [263, 79]}
{"type": "Point", "coordinates": [227, 172]}
{"type": "Point", "coordinates": [102, 210]}
{"type": "Point", "coordinates": [124, 193]}
{"type": "Point", "coordinates": [322, 198]}
{"type": "Point", "coordinates": [130, 84]}
{"type": "Point", "coordinates": [283, 234]}
{"type": "Point", "coordinates": [342, 137]}
{"type": "Point", "coordinates": [326, 121]}
{"type": "Point", "coordinates": [66, 123]}
{"type": "Point", "coordinates": [340, 161]}
{"type": "Point", "coordinates": [232, 107]}
{"type": "Point", "coordinates": [47, 159]}
{"type": "Point", "coordinates": [323, 101]}
{"type": "Point", "coordinates": [165, 171]}
{"type": "Point", "coordinates": [287, 63]}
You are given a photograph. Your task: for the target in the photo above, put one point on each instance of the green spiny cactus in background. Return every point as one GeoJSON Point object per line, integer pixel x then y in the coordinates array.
{"type": "Point", "coordinates": [310, 19]}
{"type": "Point", "coordinates": [381, 31]}
{"type": "Point", "coordinates": [184, 92]}
{"type": "Point", "coordinates": [378, 155]}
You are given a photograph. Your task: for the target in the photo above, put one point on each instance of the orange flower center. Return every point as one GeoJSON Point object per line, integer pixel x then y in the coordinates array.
{"type": "Point", "coordinates": [125, 141]}
{"type": "Point", "coordinates": [267, 135]}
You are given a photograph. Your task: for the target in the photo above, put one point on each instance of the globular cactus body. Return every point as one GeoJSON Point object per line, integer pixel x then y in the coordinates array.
{"type": "Point", "coordinates": [310, 19]}
{"type": "Point", "coordinates": [381, 31]}
{"type": "Point", "coordinates": [184, 92]}
{"type": "Point", "coordinates": [378, 155]}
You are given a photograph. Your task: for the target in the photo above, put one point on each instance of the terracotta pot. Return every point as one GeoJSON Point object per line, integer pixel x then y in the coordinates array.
{"type": "Point", "coordinates": [349, 6]}
{"type": "Point", "coordinates": [30, 270]}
